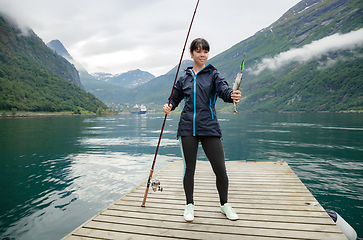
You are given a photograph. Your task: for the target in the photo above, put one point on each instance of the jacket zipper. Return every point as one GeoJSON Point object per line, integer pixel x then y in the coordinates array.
{"type": "Point", "coordinates": [195, 97]}
{"type": "Point", "coordinates": [195, 101]}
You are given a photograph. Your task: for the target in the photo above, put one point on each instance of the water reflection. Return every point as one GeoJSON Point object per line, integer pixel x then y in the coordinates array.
{"type": "Point", "coordinates": [129, 141]}
{"type": "Point", "coordinates": [34, 170]}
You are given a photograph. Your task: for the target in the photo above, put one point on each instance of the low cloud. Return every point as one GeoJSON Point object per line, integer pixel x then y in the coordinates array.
{"type": "Point", "coordinates": [316, 49]}
{"type": "Point", "coordinates": [16, 23]}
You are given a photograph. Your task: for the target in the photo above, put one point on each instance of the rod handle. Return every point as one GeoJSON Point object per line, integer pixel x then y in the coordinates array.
{"type": "Point", "coordinates": [147, 188]}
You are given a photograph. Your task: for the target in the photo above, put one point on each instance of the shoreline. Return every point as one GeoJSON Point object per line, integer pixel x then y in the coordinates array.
{"type": "Point", "coordinates": [69, 114]}
{"type": "Point", "coordinates": [50, 115]}
{"type": "Point", "coordinates": [45, 115]}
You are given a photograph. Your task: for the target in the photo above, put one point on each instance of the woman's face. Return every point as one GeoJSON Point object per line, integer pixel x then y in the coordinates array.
{"type": "Point", "coordinates": [200, 56]}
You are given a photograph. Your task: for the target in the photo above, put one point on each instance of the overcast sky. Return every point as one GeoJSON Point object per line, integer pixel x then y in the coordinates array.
{"type": "Point", "coordinates": [115, 36]}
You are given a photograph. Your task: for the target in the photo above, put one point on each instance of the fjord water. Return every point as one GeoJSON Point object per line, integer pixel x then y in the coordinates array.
{"type": "Point", "coordinates": [57, 172]}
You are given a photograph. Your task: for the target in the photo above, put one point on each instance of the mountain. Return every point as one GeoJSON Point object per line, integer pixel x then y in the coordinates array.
{"type": "Point", "coordinates": [111, 88]}
{"type": "Point", "coordinates": [59, 48]}
{"type": "Point", "coordinates": [308, 60]}
{"type": "Point", "coordinates": [102, 90]}
{"type": "Point", "coordinates": [157, 90]}
{"type": "Point", "coordinates": [105, 86]}
{"type": "Point", "coordinates": [34, 78]}
{"type": "Point", "coordinates": [128, 79]}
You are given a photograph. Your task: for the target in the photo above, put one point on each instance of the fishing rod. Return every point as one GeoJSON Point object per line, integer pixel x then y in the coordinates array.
{"type": "Point", "coordinates": [171, 94]}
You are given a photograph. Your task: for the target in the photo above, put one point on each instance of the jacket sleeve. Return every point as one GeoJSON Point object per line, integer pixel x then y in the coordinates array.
{"type": "Point", "coordinates": [223, 89]}
{"type": "Point", "coordinates": [177, 94]}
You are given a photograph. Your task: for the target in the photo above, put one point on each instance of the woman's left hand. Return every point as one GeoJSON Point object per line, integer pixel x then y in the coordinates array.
{"type": "Point", "coordinates": [236, 96]}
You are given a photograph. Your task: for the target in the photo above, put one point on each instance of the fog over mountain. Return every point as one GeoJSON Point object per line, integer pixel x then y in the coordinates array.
{"type": "Point", "coordinates": [316, 49]}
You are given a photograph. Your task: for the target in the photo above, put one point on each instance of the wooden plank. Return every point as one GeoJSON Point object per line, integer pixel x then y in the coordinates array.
{"type": "Point", "coordinates": [244, 220]}
{"type": "Point", "coordinates": [272, 203]}
{"type": "Point", "coordinates": [124, 224]}
{"type": "Point", "coordinates": [203, 203]}
{"type": "Point", "coordinates": [266, 210]}
{"type": "Point", "coordinates": [211, 198]}
{"type": "Point", "coordinates": [90, 233]}
{"type": "Point", "coordinates": [100, 230]}
{"type": "Point", "coordinates": [244, 205]}
{"type": "Point", "coordinates": [247, 215]}
{"type": "Point", "coordinates": [237, 183]}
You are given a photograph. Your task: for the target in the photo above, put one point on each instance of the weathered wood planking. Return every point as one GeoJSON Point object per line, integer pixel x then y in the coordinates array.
{"type": "Point", "coordinates": [271, 202]}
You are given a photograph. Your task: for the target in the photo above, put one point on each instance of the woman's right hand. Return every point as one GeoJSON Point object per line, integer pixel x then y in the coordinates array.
{"type": "Point", "coordinates": [167, 108]}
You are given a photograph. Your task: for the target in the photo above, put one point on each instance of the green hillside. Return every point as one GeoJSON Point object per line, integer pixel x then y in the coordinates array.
{"type": "Point", "coordinates": [34, 78]}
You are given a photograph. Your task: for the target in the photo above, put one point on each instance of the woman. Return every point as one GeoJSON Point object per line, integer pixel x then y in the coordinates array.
{"type": "Point", "coordinates": [199, 87]}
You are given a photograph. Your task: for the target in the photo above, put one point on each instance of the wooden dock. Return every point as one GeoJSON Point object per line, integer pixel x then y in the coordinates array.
{"type": "Point", "coordinates": [271, 202]}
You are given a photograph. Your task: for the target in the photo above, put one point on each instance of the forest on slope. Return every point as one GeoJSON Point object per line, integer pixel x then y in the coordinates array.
{"type": "Point", "coordinates": [34, 78]}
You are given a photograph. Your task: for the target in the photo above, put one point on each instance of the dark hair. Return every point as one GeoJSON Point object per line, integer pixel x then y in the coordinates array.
{"type": "Point", "coordinates": [197, 43]}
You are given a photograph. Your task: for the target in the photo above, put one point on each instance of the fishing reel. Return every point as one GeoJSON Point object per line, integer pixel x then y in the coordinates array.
{"type": "Point", "coordinates": [155, 185]}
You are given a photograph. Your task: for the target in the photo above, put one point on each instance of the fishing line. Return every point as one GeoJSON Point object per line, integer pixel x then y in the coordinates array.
{"type": "Point", "coordinates": [171, 94]}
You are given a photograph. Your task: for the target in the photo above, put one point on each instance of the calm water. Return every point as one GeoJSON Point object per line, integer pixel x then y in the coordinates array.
{"type": "Point", "coordinates": [57, 172]}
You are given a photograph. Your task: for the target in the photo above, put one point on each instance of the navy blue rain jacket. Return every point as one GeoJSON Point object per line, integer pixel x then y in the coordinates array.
{"type": "Point", "coordinates": [200, 92]}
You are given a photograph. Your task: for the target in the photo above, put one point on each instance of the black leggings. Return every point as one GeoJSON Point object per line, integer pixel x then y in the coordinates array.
{"type": "Point", "coordinates": [213, 149]}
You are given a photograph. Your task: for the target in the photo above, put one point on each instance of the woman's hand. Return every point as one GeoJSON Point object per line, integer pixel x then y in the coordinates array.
{"type": "Point", "coordinates": [167, 108]}
{"type": "Point", "coordinates": [236, 96]}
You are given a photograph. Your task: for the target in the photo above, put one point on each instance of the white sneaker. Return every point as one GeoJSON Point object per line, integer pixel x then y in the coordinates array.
{"type": "Point", "coordinates": [189, 212]}
{"type": "Point", "coordinates": [229, 212]}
